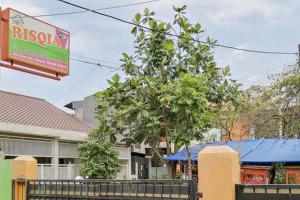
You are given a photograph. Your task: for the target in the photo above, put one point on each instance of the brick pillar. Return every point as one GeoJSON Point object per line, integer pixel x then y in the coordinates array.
{"type": "Point", "coordinates": [219, 171]}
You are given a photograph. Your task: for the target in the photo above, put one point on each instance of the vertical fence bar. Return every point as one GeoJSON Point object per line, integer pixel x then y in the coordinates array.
{"type": "Point", "coordinates": [179, 191]}
{"type": "Point", "coordinates": [28, 190]}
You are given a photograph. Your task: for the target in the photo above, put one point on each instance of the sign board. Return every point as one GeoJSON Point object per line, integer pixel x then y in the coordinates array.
{"type": "Point", "coordinates": [292, 175]}
{"type": "Point", "coordinates": [252, 174]}
{"type": "Point", "coordinates": [32, 43]}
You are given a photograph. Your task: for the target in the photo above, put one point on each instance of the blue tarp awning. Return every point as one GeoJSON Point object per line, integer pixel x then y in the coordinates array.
{"type": "Point", "coordinates": [252, 151]}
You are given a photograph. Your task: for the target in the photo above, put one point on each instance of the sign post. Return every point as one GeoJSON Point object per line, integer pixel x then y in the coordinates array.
{"type": "Point", "coordinates": [33, 46]}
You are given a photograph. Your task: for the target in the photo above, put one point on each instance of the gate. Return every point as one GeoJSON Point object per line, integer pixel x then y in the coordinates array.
{"type": "Point", "coordinates": [111, 189]}
{"type": "Point", "coordinates": [267, 192]}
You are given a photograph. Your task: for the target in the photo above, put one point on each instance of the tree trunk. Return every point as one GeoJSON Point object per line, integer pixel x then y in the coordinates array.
{"type": "Point", "coordinates": [169, 169]}
{"type": "Point", "coordinates": [161, 158]}
{"type": "Point", "coordinates": [174, 163]}
{"type": "Point", "coordinates": [190, 175]}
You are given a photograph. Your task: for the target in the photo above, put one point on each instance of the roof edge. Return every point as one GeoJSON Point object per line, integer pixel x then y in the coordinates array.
{"type": "Point", "coordinates": [40, 131]}
{"type": "Point", "coordinates": [22, 95]}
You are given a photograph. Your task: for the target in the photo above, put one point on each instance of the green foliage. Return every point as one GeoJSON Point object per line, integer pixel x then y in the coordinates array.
{"type": "Point", "coordinates": [98, 159]}
{"type": "Point", "coordinates": [178, 175]}
{"type": "Point", "coordinates": [172, 87]}
{"type": "Point", "coordinates": [285, 95]}
{"type": "Point", "coordinates": [187, 101]}
{"type": "Point", "coordinates": [280, 176]}
{"type": "Point", "coordinates": [275, 109]}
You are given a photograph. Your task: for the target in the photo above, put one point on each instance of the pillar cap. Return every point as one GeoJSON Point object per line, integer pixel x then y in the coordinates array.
{"type": "Point", "coordinates": [218, 149]}
{"type": "Point", "coordinates": [26, 158]}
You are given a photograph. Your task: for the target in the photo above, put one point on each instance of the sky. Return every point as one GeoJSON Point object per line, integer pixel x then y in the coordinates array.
{"type": "Point", "coordinates": [269, 25]}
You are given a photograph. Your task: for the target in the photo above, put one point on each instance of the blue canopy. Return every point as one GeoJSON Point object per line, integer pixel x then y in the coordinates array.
{"type": "Point", "coordinates": [252, 151]}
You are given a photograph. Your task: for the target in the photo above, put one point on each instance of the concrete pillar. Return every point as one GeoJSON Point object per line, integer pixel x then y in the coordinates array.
{"type": "Point", "coordinates": [55, 157]}
{"type": "Point", "coordinates": [70, 171]}
{"type": "Point", "coordinates": [219, 171]}
{"type": "Point", "coordinates": [129, 163]}
{"type": "Point", "coordinates": [149, 167]}
{"type": "Point", "coordinates": [136, 170]}
{"type": "Point", "coordinates": [42, 171]}
{"type": "Point", "coordinates": [24, 167]}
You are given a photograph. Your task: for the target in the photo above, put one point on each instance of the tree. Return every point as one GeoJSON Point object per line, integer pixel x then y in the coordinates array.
{"type": "Point", "coordinates": [186, 99]}
{"type": "Point", "coordinates": [275, 109]}
{"type": "Point", "coordinates": [172, 88]}
{"type": "Point", "coordinates": [285, 96]}
{"type": "Point", "coordinates": [98, 158]}
{"type": "Point", "coordinates": [251, 117]}
{"type": "Point", "coordinates": [261, 114]}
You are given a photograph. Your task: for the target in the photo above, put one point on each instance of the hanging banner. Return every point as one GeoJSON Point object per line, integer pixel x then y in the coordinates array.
{"type": "Point", "coordinates": [35, 44]}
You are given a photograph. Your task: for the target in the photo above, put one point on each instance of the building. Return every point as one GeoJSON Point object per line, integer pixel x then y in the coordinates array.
{"type": "Point", "coordinates": [239, 129]}
{"type": "Point", "coordinates": [260, 159]}
{"type": "Point", "coordinates": [134, 163]}
{"type": "Point", "coordinates": [32, 126]}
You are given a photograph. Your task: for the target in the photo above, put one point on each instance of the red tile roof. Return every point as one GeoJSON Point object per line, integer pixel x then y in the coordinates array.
{"type": "Point", "coordinates": [26, 110]}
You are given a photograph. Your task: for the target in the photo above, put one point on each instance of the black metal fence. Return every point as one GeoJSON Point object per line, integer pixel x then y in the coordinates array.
{"type": "Point", "coordinates": [267, 192]}
{"type": "Point", "coordinates": [111, 189]}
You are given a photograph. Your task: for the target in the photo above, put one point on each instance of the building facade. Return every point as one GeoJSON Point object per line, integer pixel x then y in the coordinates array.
{"type": "Point", "coordinates": [32, 126]}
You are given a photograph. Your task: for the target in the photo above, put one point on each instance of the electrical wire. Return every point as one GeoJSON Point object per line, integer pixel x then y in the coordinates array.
{"type": "Point", "coordinates": [97, 65]}
{"type": "Point", "coordinates": [112, 69]}
{"type": "Point", "coordinates": [105, 8]}
{"type": "Point", "coordinates": [262, 79]}
{"type": "Point", "coordinates": [77, 83]}
{"type": "Point", "coordinates": [267, 70]}
{"type": "Point", "coordinates": [266, 80]}
{"type": "Point", "coordinates": [174, 35]}
{"type": "Point", "coordinates": [96, 59]}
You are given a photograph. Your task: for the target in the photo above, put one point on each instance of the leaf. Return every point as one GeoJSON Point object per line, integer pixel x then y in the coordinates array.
{"type": "Point", "coordinates": [134, 30]}
{"type": "Point", "coordinates": [152, 23]}
{"type": "Point", "coordinates": [126, 56]}
{"type": "Point", "coordinates": [169, 45]}
{"type": "Point", "coordinates": [138, 17]}
{"type": "Point", "coordinates": [146, 12]}
{"type": "Point", "coordinates": [179, 9]}
{"type": "Point", "coordinates": [226, 70]}
{"type": "Point", "coordinates": [197, 27]}
{"type": "Point", "coordinates": [161, 26]}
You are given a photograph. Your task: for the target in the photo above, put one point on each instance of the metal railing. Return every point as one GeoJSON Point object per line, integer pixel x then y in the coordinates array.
{"type": "Point", "coordinates": [70, 171]}
{"type": "Point", "coordinates": [111, 189]}
{"type": "Point", "coordinates": [61, 171]}
{"type": "Point", "coordinates": [263, 192]}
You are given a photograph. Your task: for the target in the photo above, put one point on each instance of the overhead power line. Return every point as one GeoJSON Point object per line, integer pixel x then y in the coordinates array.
{"type": "Point", "coordinates": [267, 70]}
{"type": "Point", "coordinates": [112, 69]}
{"type": "Point", "coordinates": [77, 83]}
{"type": "Point", "coordinates": [90, 73]}
{"type": "Point", "coordinates": [96, 59]}
{"type": "Point", "coordinates": [105, 8]}
{"type": "Point", "coordinates": [178, 36]}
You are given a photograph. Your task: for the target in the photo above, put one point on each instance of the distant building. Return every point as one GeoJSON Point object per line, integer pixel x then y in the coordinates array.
{"type": "Point", "coordinates": [34, 127]}
{"type": "Point", "coordinates": [239, 130]}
